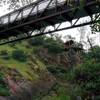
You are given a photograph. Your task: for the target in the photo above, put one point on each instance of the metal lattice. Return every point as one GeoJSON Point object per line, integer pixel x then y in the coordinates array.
{"type": "Point", "coordinates": [36, 17]}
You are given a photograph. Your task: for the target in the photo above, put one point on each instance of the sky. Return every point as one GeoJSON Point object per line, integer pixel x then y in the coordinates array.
{"type": "Point", "coordinates": [73, 32]}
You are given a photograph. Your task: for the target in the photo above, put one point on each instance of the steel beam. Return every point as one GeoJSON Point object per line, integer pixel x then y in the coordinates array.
{"type": "Point", "coordinates": [49, 32]}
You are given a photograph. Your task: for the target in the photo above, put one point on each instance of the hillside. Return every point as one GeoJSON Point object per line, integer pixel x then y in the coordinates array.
{"type": "Point", "coordinates": [45, 68]}
{"type": "Point", "coordinates": [24, 67]}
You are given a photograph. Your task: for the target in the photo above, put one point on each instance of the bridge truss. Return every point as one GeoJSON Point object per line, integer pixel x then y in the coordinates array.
{"type": "Point", "coordinates": [34, 19]}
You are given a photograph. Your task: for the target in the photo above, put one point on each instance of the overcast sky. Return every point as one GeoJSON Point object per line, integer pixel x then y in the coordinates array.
{"type": "Point", "coordinates": [73, 32]}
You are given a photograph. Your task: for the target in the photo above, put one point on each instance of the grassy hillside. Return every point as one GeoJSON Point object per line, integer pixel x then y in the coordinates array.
{"type": "Point", "coordinates": [21, 60]}
{"type": "Point", "coordinates": [40, 62]}
{"type": "Point", "coordinates": [22, 67]}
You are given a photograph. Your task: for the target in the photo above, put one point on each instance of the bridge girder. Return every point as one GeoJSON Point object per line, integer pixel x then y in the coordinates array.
{"type": "Point", "coordinates": [40, 20]}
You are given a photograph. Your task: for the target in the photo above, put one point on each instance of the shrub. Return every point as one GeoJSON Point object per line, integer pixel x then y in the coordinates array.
{"type": "Point", "coordinates": [53, 46]}
{"type": "Point", "coordinates": [87, 77]}
{"type": "Point", "coordinates": [57, 71]}
{"type": "Point", "coordinates": [4, 91]}
{"type": "Point", "coordinates": [19, 55]}
{"type": "Point", "coordinates": [93, 54]}
{"type": "Point", "coordinates": [36, 41]}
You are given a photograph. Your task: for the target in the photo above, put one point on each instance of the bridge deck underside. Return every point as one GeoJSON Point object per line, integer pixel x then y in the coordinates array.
{"type": "Point", "coordinates": [49, 17]}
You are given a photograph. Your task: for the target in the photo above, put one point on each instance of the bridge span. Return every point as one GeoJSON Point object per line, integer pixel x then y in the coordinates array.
{"type": "Point", "coordinates": [43, 13]}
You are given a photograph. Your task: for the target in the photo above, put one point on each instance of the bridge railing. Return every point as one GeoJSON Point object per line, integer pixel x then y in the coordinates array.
{"type": "Point", "coordinates": [33, 9]}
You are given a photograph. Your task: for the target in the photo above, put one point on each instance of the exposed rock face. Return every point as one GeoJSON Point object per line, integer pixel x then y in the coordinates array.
{"type": "Point", "coordinates": [27, 90]}
{"type": "Point", "coordinates": [66, 58]}
{"type": "Point", "coordinates": [3, 98]}
{"type": "Point", "coordinates": [43, 85]}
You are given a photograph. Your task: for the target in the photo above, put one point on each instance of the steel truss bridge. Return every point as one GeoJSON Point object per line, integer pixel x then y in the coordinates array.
{"type": "Point", "coordinates": [33, 20]}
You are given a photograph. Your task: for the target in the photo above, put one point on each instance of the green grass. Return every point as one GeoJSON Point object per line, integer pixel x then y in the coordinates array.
{"type": "Point", "coordinates": [22, 67]}
{"type": "Point", "coordinates": [6, 47]}
{"type": "Point", "coordinates": [62, 97]}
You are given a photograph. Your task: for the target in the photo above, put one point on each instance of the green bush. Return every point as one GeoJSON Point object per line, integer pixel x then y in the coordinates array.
{"type": "Point", "coordinates": [57, 71]}
{"type": "Point", "coordinates": [4, 91]}
{"type": "Point", "coordinates": [93, 54]}
{"type": "Point", "coordinates": [19, 55]}
{"type": "Point", "coordinates": [37, 41]}
{"type": "Point", "coordinates": [87, 76]}
{"type": "Point", "coordinates": [53, 46]}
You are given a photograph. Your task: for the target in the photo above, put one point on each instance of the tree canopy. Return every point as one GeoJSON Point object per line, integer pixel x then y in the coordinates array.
{"type": "Point", "coordinates": [15, 4]}
{"type": "Point", "coordinates": [96, 27]}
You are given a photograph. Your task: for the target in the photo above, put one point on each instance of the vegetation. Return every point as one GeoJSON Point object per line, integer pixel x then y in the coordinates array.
{"type": "Point", "coordinates": [96, 26]}
{"type": "Point", "coordinates": [19, 55]}
{"type": "Point", "coordinates": [41, 69]}
{"type": "Point", "coordinates": [53, 46]}
{"type": "Point", "coordinates": [4, 91]}
{"type": "Point", "coordinates": [37, 41]}
{"type": "Point", "coordinates": [31, 60]}
{"type": "Point", "coordinates": [86, 76]}
{"type": "Point", "coordinates": [74, 80]}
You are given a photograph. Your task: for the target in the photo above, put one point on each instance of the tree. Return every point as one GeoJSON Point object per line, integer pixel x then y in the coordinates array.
{"type": "Point", "coordinates": [54, 44]}
{"type": "Point", "coordinates": [88, 79]}
{"type": "Point", "coordinates": [96, 26]}
{"type": "Point", "coordinates": [37, 41]}
{"type": "Point", "coordinates": [86, 76]}
{"type": "Point", "coordinates": [15, 4]}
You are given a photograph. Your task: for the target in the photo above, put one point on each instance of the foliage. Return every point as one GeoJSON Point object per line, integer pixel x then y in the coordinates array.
{"type": "Point", "coordinates": [4, 55]}
{"type": "Point", "coordinates": [19, 55]}
{"type": "Point", "coordinates": [88, 78]}
{"type": "Point", "coordinates": [56, 69]}
{"type": "Point", "coordinates": [93, 54]}
{"type": "Point", "coordinates": [37, 41]}
{"type": "Point", "coordinates": [96, 26]}
{"type": "Point", "coordinates": [13, 44]}
{"type": "Point", "coordinates": [64, 97]}
{"type": "Point", "coordinates": [54, 46]}
{"type": "Point", "coordinates": [15, 4]}
{"type": "Point", "coordinates": [4, 91]}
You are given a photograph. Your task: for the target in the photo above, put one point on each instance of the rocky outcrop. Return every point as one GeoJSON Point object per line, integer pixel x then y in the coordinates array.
{"type": "Point", "coordinates": [27, 90]}
{"type": "Point", "coordinates": [66, 58]}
